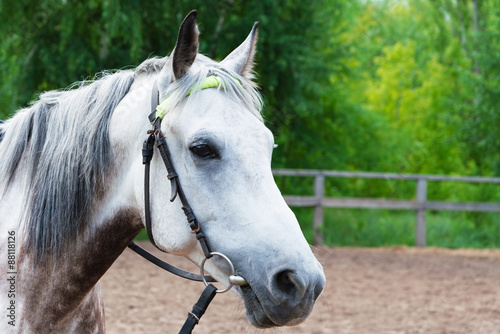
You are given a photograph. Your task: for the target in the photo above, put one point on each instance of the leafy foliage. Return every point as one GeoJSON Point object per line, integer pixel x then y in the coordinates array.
{"type": "Point", "coordinates": [386, 85]}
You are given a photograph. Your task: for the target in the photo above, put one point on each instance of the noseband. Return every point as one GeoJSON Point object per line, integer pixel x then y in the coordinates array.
{"type": "Point", "coordinates": [155, 136]}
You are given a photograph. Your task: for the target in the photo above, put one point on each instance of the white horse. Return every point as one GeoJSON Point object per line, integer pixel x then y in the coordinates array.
{"type": "Point", "coordinates": [71, 191]}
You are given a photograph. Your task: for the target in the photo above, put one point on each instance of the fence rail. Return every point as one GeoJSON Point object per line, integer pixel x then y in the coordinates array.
{"type": "Point", "coordinates": [420, 204]}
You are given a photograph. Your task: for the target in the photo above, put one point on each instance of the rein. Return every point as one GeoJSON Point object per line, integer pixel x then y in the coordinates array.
{"type": "Point", "coordinates": [155, 136]}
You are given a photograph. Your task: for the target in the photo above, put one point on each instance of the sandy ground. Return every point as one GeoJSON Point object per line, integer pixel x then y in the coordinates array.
{"type": "Point", "coordinates": [384, 290]}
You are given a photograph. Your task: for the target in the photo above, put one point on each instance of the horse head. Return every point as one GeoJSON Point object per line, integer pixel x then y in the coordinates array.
{"type": "Point", "coordinates": [221, 151]}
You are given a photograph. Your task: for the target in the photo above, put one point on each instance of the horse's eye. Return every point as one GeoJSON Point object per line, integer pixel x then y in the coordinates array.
{"type": "Point", "coordinates": [203, 151]}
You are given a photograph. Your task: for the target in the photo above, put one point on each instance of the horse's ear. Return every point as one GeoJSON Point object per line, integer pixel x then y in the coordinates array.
{"type": "Point", "coordinates": [241, 59]}
{"type": "Point", "coordinates": [186, 48]}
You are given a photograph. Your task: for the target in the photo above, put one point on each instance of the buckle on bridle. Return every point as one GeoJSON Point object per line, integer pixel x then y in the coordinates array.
{"type": "Point", "coordinates": [190, 313]}
{"type": "Point", "coordinates": [148, 149]}
{"type": "Point", "coordinates": [197, 229]}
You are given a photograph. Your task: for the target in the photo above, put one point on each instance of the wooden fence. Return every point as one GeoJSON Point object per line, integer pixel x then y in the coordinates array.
{"type": "Point", "coordinates": [420, 204]}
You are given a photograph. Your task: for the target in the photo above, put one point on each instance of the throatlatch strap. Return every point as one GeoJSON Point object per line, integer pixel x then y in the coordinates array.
{"type": "Point", "coordinates": [199, 309]}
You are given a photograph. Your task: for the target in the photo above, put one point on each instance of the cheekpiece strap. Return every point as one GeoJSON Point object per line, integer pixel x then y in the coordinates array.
{"type": "Point", "coordinates": [155, 135]}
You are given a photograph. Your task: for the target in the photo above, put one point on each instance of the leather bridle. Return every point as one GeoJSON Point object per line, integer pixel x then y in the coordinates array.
{"type": "Point", "coordinates": [155, 136]}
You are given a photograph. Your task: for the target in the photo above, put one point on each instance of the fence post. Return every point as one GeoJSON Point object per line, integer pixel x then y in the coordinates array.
{"type": "Point", "coordinates": [319, 191]}
{"type": "Point", "coordinates": [421, 226]}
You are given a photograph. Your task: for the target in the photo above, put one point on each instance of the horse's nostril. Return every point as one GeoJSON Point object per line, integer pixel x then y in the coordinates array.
{"type": "Point", "coordinates": [289, 286]}
{"type": "Point", "coordinates": [285, 284]}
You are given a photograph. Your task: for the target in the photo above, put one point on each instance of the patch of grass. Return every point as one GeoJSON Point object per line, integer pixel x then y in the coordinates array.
{"type": "Point", "coordinates": [463, 230]}
{"type": "Point", "coordinates": [368, 228]}
{"type": "Point", "coordinates": [143, 235]}
{"type": "Point", "coordinates": [378, 228]}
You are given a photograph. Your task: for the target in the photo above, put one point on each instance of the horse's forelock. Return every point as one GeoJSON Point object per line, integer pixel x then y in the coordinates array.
{"type": "Point", "coordinates": [241, 90]}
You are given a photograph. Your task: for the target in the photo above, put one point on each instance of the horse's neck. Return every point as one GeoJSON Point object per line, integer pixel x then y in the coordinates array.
{"type": "Point", "coordinates": [63, 298]}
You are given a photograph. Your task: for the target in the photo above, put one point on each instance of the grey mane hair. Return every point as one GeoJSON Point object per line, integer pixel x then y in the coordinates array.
{"type": "Point", "coordinates": [62, 142]}
{"type": "Point", "coordinates": [234, 85]}
{"type": "Point", "coordinates": [150, 66]}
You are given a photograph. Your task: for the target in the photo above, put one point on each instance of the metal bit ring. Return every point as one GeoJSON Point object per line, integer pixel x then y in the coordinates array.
{"type": "Point", "coordinates": [232, 276]}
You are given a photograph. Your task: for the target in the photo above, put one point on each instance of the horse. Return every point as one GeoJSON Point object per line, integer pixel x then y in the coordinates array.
{"type": "Point", "coordinates": [72, 192]}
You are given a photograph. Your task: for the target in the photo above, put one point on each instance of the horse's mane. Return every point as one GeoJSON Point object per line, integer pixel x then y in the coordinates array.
{"type": "Point", "coordinates": [62, 143]}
